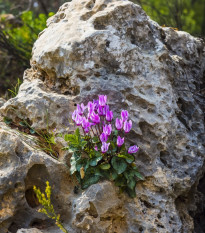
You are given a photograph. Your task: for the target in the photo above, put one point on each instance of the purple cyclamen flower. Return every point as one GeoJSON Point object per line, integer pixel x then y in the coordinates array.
{"type": "Point", "coordinates": [95, 118]}
{"type": "Point", "coordinates": [86, 130]}
{"type": "Point", "coordinates": [120, 141]}
{"type": "Point", "coordinates": [79, 110]}
{"type": "Point", "coordinates": [102, 100]}
{"type": "Point", "coordinates": [96, 104]}
{"type": "Point", "coordinates": [78, 120]}
{"type": "Point", "coordinates": [124, 115]}
{"type": "Point", "coordinates": [101, 111]}
{"type": "Point", "coordinates": [83, 107]}
{"type": "Point", "coordinates": [133, 149]}
{"type": "Point", "coordinates": [91, 107]}
{"type": "Point", "coordinates": [74, 115]}
{"type": "Point", "coordinates": [85, 123]}
{"type": "Point", "coordinates": [109, 116]}
{"type": "Point", "coordinates": [107, 129]}
{"type": "Point", "coordinates": [104, 147]}
{"type": "Point", "coordinates": [118, 124]}
{"type": "Point", "coordinates": [127, 126]}
{"type": "Point", "coordinates": [103, 137]}
{"type": "Point", "coordinates": [96, 148]}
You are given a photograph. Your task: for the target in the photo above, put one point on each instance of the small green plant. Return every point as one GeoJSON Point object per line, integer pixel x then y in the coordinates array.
{"type": "Point", "coordinates": [23, 36]}
{"type": "Point", "coordinates": [15, 88]}
{"type": "Point", "coordinates": [44, 139]}
{"type": "Point", "coordinates": [101, 153]}
{"type": "Point", "coordinates": [45, 201]}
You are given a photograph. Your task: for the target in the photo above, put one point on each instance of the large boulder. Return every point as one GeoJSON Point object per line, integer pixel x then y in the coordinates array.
{"type": "Point", "coordinates": [109, 47]}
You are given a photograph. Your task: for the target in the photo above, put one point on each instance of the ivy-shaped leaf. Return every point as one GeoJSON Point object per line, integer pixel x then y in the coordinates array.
{"type": "Point", "coordinates": [131, 192]}
{"type": "Point", "coordinates": [120, 181]}
{"type": "Point", "coordinates": [89, 180]}
{"type": "Point", "coordinates": [131, 183]}
{"type": "Point", "coordinates": [119, 164]}
{"type": "Point", "coordinates": [113, 174]}
{"type": "Point", "coordinates": [129, 158]}
{"type": "Point", "coordinates": [95, 160]}
{"type": "Point", "coordinates": [139, 176]}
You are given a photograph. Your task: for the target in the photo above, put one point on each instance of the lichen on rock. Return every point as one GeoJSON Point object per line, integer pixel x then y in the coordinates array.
{"type": "Point", "coordinates": [109, 47]}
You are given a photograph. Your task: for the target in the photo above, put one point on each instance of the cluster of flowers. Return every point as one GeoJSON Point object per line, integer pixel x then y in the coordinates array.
{"type": "Point", "coordinates": [96, 117]}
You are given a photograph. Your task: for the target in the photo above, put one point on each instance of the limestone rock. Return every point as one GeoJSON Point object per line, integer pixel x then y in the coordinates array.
{"type": "Point", "coordinates": [32, 230]}
{"type": "Point", "coordinates": [111, 47]}
{"type": "Point", "coordinates": [2, 101]}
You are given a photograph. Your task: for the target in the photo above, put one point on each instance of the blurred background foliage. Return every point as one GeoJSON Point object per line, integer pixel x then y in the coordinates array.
{"type": "Point", "coordinates": [22, 20]}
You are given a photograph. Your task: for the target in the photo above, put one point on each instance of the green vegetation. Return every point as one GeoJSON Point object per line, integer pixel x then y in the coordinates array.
{"type": "Point", "coordinates": [16, 42]}
{"type": "Point", "coordinates": [89, 165]}
{"type": "Point", "coordinates": [44, 140]}
{"type": "Point", "coordinates": [186, 15]}
{"type": "Point", "coordinates": [15, 89]}
{"type": "Point", "coordinates": [23, 36]}
{"type": "Point", "coordinates": [45, 201]}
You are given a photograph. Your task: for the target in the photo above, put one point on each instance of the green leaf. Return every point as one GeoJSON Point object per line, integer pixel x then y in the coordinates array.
{"type": "Point", "coordinates": [71, 138]}
{"type": "Point", "coordinates": [94, 161]}
{"type": "Point", "coordinates": [105, 166]}
{"type": "Point", "coordinates": [77, 133]}
{"type": "Point", "coordinates": [95, 139]}
{"type": "Point", "coordinates": [73, 160]}
{"type": "Point", "coordinates": [52, 140]}
{"type": "Point", "coordinates": [131, 192]}
{"type": "Point", "coordinates": [131, 183]}
{"type": "Point", "coordinates": [120, 181]}
{"type": "Point", "coordinates": [129, 158]}
{"type": "Point", "coordinates": [97, 153]}
{"type": "Point", "coordinates": [82, 163]}
{"type": "Point", "coordinates": [138, 175]}
{"type": "Point", "coordinates": [73, 168]}
{"type": "Point", "coordinates": [119, 164]}
{"type": "Point", "coordinates": [113, 174]}
{"type": "Point", "coordinates": [89, 180]}
{"type": "Point", "coordinates": [7, 120]}
{"type": "Point", "coordinates": [32, 131]}
{"type": "Point", "coordinates": [22, 123]}
{"type": "Point", "coordinates": [115, 133]}
{"type": "Point", "coordinates": [83, 144]}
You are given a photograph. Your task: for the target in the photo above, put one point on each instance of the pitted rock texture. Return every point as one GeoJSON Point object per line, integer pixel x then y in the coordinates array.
{"type": "Point", "coordinates": [112, 47]}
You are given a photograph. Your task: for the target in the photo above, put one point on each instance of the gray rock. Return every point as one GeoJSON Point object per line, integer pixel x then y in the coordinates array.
{"type": "Point", "coordinates": [32, 230]}
{"type": "Point", "coordinates": [110, 47]}
{"type": "Point", "coordinates": [2, 101]}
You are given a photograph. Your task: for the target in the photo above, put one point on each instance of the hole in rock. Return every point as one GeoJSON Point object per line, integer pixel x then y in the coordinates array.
{"type": "Point", "coordinates": [13, 228]}
{"type": "Point", "coordinates": [165, 158]}
{"type": "Point", "coordinates": [88, 88]}
{"type": "Point", "coordinates": [107, 43]}
{"type": "Point", "coordinates": [82, 77]}
{"type": "Point", "coordinates": [37, 175]}
{"type": "Point", "coordinates": [92, 211]}
{"type": "Point", "coordinates": [31, 198]}
{"type": "Point", "coordinates": [41, 224]}
{"type": "Point", "coordinates": [80, 217]}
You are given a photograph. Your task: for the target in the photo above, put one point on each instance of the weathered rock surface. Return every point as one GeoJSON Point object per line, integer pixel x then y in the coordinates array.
{"type": "Point", "coordinates": [110, 47]}
{"type": "Point", "coordinates": [2, 101]}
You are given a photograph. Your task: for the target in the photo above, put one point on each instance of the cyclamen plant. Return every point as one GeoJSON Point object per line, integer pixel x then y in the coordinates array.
{"type": "Point", "coordinates": [100, 153]}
